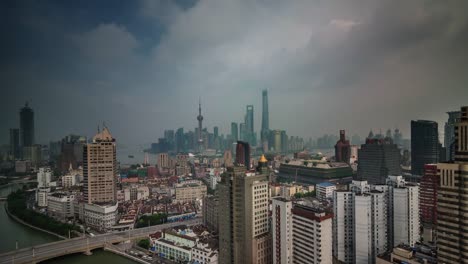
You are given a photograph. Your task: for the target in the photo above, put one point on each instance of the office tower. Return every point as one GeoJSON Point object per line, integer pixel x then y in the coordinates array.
{"type": "Point", "coordinates": [71, 152]}
{"type": "Point", "coordinates": [397, 137]}
{"type": "Point", "coordinates": [282, 230]}
{"type": "Point", "coordinates": [449, 134]}
{"type": "Point", "coordinates": [277, 140]}
{"type": "Point", "coordinates": [244, 223]}
{"type": "Point", "coordinates": [378, 158]}
{"type": "Point", "coordinates": [249, 132]}
{"type": "Point", "coordinates": [234, 131]}
{"type": "Point", "coordinates": [243, 154]}
{"type": "Point", "coordinates": [163, 160]}
{"type": "Point", "coordinates": [169, 135]}
{"type": "Point", "coordinates": [265, 117]}
{"type": "Point", "coordinates": [452, 223]}
{"type": "Point", "coordinates": [428, 201]}
{"type": "Point", "coordinates": [342, 149]}
{"type": "Point", "coordinates": [215, 132]}
{"type": "Point", "coordinates": [180, 140]}
{"type": "Point", "coordinates": [26, 126]}
{"type": "Point", "coordinates": [284, 142]}
{"type": "Point", "coordinates": [100, 169]}
{"type": "Point", "coordinates": [200, 129]}
{"type": "Point", "coordinates": [424, 145]}
{"type": "Point", "coordinates": [360, 223]}
{"type": "Point", "coordinates": [14, 143]}
{"type": "Point", "coordinates": [404, 212]}
{"type": "Point", "coordinates": [312, 235]}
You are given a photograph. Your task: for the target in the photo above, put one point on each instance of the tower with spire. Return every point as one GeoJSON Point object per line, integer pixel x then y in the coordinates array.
{"type": "Point", "coordinates": [200, 131]}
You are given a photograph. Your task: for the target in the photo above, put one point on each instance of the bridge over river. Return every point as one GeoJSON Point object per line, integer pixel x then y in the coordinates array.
{"type": "Point", "coordinates": [81, 244]}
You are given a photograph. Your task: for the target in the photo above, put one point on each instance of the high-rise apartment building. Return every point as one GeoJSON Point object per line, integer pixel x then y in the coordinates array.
{"type": "Point", "coordinates": [26, 126]}
{"type": "Point", "coordinates": [301, 234]}
{"type": "Point", "coordinates": [359, 224]}
{"type": "Point", "coordinates": [281, 224]}
{"type": "Point", "coordinates": [244, 235]}
{"type": "Point", "coordinates": [378, 159]}
{"type": "Point", "coordinates": [342, 149]}
{"type": "Point", "coordinates": [14, 143]}
{"type": "Point", "coordinates": [449, 134]}
{"type": "Point", "coordinates": [100, 169]}
{"type": "Point", "coordinates": [424, 145]}
{"type": "Point", "coordinates": [452, 197]}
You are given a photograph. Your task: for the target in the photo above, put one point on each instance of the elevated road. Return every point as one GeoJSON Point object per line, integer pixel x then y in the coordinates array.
{"type": "Point", "coordinates": [81, 244]}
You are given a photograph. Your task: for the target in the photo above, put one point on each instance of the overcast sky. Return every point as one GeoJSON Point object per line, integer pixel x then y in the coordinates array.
{"type": "Point", "coordinates": [140, 66]}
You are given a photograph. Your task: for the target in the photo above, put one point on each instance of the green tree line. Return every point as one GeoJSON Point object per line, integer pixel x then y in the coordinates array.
{"type": "Point", "coordinates": [17, 206]}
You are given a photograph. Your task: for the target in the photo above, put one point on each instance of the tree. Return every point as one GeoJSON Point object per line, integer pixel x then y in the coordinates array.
{"type": "Point", "coordinates": [144, 243]}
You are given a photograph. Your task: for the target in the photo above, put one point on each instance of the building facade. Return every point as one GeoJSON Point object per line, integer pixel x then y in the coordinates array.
{"type": "Point", "coordinates": [378, 158]}
{"type": "Point", "coordinates": [424, 145]}
{"type": "Point", "coordinates": [449, 134]}
{"type": "Point", "coordinates": [342, 149]}
{"type": "Point", "coordinates": [26, 126]}
{"type": "Point", "coordinates": [452, 197]}
{"type": "Point", "coordinates": [282, 231]}
{"type": "Point", "coordinates": [60, 205]}
{"type": "Point", "coordinates": [100, 169]}
{"type": "Point", "coordinates": [100, 217]}
{"type": "Point", "coordinates": [428, 201]}
{"type": "Point", "coordinates": [243, 223]}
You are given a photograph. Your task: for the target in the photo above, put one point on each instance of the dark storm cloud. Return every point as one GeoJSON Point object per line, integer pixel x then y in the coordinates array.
{"type": "Point", "coordinates": [142, 65]}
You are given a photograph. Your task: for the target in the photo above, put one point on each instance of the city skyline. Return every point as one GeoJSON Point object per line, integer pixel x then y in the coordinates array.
{"type": "Point", "coordinates": [306, 61]}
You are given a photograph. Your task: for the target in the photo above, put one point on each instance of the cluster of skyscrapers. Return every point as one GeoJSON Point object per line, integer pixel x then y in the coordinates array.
{"type": "Point", "coordinates": [200, 140]}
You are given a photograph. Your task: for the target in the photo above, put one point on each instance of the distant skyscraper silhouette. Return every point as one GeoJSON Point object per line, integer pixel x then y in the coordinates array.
{"type": "Point", "coordinates": [249, 125]}
{"type": "Point", "coordinates": [26, 126]}
{"type": "Point", "coordinates": [14, 143]}
{"type": "Point", "coordinates": [234, 131]}
{"type": "Point", "coordinates": [424, 145]}
{"type": "Point", "coordinates": [265, 117]}
{"type": "Point", "coordinates": [342, 148]}
{"type": "Point", "coordinates": [200, 129]}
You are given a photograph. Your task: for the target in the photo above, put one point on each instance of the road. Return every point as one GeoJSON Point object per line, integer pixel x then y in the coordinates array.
{"type": "Point", "coordinates": [82, 244]}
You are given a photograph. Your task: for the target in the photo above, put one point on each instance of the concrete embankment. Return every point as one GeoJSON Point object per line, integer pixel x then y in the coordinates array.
{"type": "Point", "coordinates": [29, 225]}
{"type": "Point", "coordinates": [123, 254]}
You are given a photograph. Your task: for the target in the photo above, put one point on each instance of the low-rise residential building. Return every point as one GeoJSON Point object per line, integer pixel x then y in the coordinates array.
{"type": "Point", "coordinates": [100, 217]}
{"type": "Point", "coordinates": [60, 205]}
{"type": "Point", "coordinates": [325, 190]}
{"type": "Point", "coordinates": [186, 192]}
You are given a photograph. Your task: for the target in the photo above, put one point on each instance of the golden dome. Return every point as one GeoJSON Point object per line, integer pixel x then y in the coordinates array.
{"type": "Point", "coordinates": [262, 159]}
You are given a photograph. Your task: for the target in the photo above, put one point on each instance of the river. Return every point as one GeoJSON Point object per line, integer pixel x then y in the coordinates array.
{"type": "Point", "coordinates": [11, 231]}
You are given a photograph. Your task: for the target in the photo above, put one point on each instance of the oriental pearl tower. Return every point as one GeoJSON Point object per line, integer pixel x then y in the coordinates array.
{"type": "Point", "coordinates": [200, 120]}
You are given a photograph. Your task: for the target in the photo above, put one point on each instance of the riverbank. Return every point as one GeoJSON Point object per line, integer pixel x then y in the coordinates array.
{"type": "Point", "coordinates": [15, 218]}
{"type": "Point", "coordinates": [123, 254]}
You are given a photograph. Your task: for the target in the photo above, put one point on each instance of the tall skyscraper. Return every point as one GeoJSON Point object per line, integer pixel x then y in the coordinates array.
{"type": "Point", "coordinates": [26, 126]}
{"type": "Point", "coordinates": [200, 129]}
{"type": "Point", "coordinates": [215, 132]}
{"type": "Point", "coordinates": [378, 159]}
{"type": "Point", "coordinates": [249, 125]}
{"type": "Point", "coordinates": [452, 197]}
{"type": "Point", "coordinates": [100, 169]}
{"type": "Point", "coordinates": [234, 132]}
{"type": "Point", "coordinates": [180, 140]}
{"type": "Point", "coordinates": [424, 145]}
{"type": "Point", "coordinates": [265, 117]}
{"type": "Point", "coordinates": [342, 149]}
{"type": "Point", "coordinates": [243, 222]}
{"type": "Point", "coordinates": [449, 134]}
{"type": "Point", "coordinates": [14, 143]}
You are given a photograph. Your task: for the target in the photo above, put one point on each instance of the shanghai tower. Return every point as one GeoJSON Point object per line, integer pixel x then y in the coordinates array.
{"type": "Point", "coordinates": [265, 118]}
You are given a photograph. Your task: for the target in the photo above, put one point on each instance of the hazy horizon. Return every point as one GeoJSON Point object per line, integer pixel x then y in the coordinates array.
{"type": "Point", "coordinates": [140, 66]}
